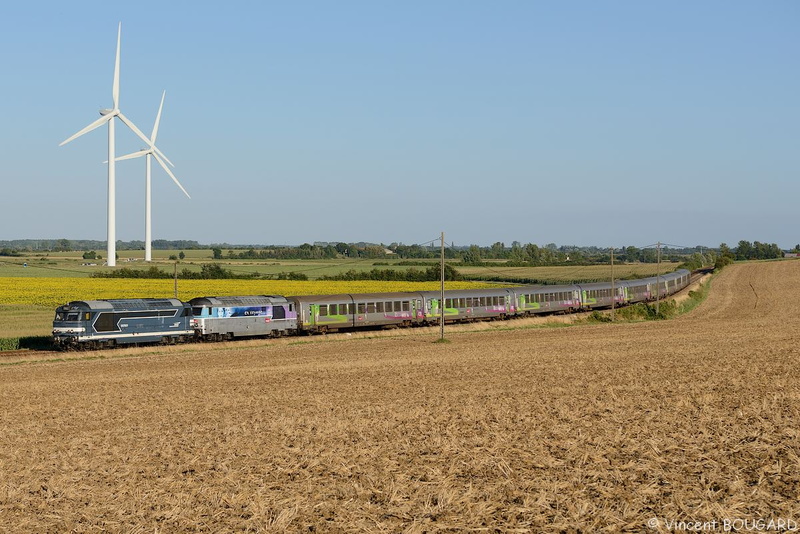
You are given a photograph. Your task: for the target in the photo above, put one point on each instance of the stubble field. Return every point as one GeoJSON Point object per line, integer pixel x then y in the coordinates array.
{"type": "Point", "coordinates": [589, 428]}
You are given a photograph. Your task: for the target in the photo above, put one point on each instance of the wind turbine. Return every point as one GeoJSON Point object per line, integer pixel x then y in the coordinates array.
{"type": "Point", "coordinates": [148, 152]}
{"type": "Point", "coordinates": [108, 117]}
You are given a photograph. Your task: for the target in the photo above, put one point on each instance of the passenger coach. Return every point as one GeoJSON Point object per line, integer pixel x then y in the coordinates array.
{"type": "Point", "coordinates": [326, 313]}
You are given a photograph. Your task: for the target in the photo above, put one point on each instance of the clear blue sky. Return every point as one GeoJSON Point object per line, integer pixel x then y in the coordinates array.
{"type": "Point", "coordinates": [588, 123]}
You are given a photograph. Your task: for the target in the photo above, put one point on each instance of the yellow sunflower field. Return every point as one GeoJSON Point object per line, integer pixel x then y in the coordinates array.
{"type": "Point", "coordinates": [52, 292]}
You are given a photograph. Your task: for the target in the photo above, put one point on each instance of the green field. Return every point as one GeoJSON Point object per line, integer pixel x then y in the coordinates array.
{"type": "Point", "coordinates": [568, 274]}
{"type": "Point", "coordinates": [71, 264]}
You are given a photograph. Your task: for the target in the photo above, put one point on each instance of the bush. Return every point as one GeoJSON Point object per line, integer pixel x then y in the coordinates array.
{"type": "Point", "coordinates": [721, 262]}
{"type": "Point", "coordinates": [32, 342]}
{"type": "Point", "coordinates": [9, 343]}
{"type": "Point", "coordinates": [292, 275]}
{"type": "Point", "coordinates": [598, 317]}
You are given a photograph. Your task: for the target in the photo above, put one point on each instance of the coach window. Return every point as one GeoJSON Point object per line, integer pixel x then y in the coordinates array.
{"type": "Point", "coordinates": [362, 308]}
{"type": "Point", "coordinates": [406, 305]}
{"type": "Point", "coordinates": [380, 307]}
{"type": "Point", "coordinates": [323, 309]}
{"type": "Point", "coordinates": [351, 308]}
{"type": "Point", "coordinates": [371, 307]}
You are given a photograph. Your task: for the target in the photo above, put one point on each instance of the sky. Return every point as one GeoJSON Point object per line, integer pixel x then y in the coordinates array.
{"type": "Point", "coordinates": [576, 122]}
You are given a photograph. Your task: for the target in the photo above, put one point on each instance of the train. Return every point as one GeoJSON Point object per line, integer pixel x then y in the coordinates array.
{"type": "Point", "coordinates": [97, 324]}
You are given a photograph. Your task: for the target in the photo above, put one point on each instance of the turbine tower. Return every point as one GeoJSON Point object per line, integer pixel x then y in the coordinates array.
{"type": "Point", "coordinates": [108, 117]}
{"type": "Point", "coordinates": [148, 153]}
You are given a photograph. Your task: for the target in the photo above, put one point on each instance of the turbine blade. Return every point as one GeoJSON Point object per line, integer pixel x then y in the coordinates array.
{"type": "Point", "coordinates": [138, 132]}
{"type": "Point", "coordinates": [134, 128]}
{"type": "Point", "coordinates": [133, 155]}
{"type": "Point", "coordinates": [158, 119]}
{"type": "Point", "coordinates": [99, 122]}
{"type": "Point", "coordinates": [164, 166]}
{"type": "Point", "coordinates": [165, 158]}
{"type": "Point", "coordinates": [115, 87]}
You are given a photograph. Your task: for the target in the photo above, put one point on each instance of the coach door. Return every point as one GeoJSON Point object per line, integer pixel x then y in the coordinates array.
{"type": "Point", "coordinates": [313, 314]}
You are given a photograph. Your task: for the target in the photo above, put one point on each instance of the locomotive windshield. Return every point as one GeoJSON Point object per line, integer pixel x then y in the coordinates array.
{"type": "Point", "coordinates": [68, 316]}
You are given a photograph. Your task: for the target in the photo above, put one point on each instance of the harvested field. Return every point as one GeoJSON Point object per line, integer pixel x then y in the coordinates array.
{"type": "Point", "coordinates": [581, 429]}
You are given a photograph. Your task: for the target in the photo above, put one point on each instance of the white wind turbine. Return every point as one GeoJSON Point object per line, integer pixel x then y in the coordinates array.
{"type": "Point", "coordinates": [148, 152]}
{"type": "Point", "coordinates": [108, 117]}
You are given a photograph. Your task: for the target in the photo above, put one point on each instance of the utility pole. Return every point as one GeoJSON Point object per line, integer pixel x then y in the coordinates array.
{"type": "Point", "coordinates": [441, 302]}
{"type": "Point", "coordinates": [613, 291]}
{"type": "Point", "coordinates": [175, 274]}
{"type": "Point", "coordinates": [658, 277]}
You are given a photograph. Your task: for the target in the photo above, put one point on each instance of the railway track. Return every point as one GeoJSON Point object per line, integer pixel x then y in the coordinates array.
{"type": "Point", "coordinates": [697, 274]}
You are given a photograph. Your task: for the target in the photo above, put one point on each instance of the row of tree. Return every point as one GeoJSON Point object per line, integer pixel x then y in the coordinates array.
{"type": "Point", "coordinates": [430, 274]}
{"type": "Point", "coordinates": [753, 251]}
{"type": "Point", "coordinates": [208, 271]}
{"type": "Point", "coordinates": [66, 245]}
